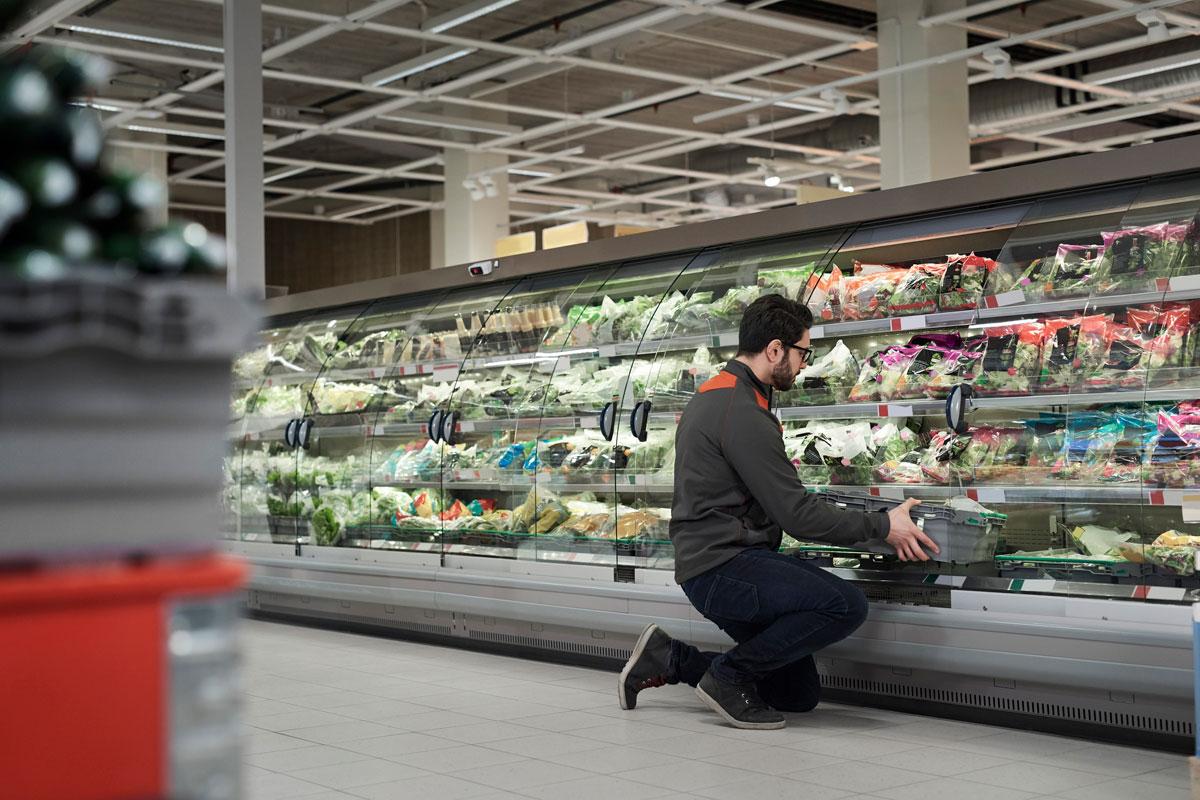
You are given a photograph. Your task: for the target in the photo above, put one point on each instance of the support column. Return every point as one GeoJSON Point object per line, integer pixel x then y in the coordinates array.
{"type": "Point", "coordinates": [471, 225]}
{"type": "Point", "coordinates": [244, 213]}
{"type": "Point", "coordinates": [923, 113]}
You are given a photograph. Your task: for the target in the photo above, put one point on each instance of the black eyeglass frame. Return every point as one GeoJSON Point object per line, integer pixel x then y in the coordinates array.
{"type": "Point", "coordinates": [806, 353]}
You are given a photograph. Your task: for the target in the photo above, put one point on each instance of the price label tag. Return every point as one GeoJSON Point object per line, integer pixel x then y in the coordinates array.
{"type": "Point", "coordinates": [445, 372]}
{"type": "Point", "coordinates": [1190, 506]}
{"type": "Point", "coordinates": [1185, 283]}
{"type": "Point", "coordinates": [466, 426]}
{"type": "Point", "coordinates": [890, 492]}
{"type": "Point", "coordinates": [986, 495]}
{"type": "Point", "coordinates": [589, 421]}
{"type": "Point", "coordinates": [908, 323]}
{"type": "Point", "coordinates": [729, 339]}
{"type": "Point", "coordinates": [374, 374]}
{"type": "Point", "coordinates": [893, 410]}
{"type": "Point", "coordinates": [1009, 298]}
{"type": "Point", "coordinates": [607, 351]}
{"type": "Point", "coordinates": [816, 332]}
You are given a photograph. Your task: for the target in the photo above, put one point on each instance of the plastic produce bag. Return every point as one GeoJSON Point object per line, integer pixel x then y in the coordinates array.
{"type": "Point", "coordinates": [867, 293]}
{"type": "Point", "coordinates": [964, 281]}
{"type": "Point", "coordinates": [1011, 359]}
{"type": "Point", "coordinates": [1164, 335]}
{"type": "Point", "coordinates": [1097, 541]}
{"type": "Point", "coordinates": [1075, 348]}
{"type": "Point", "coordinates": [1078, 270]}
{"type": "Point", "coordinates": [918, 291]}
{"type": "Point", "coordinates": [1134, 257]}
{"type": "Point", "coordinates": [1089, 443]}
{"type": "Point", "coordinates": [831, 376]}
{"type": "Point", "coordinates": [1121, 366]}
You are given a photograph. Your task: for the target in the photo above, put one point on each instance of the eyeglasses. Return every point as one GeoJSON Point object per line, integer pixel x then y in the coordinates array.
{"type": "Point", "coordinates": [806, 353]}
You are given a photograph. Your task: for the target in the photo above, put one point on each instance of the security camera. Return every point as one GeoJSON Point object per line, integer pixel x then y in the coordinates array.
{"type": "Point", "coordinates": [481, 268]}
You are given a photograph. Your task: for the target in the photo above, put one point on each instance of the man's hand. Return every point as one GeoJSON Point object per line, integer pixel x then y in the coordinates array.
{"type": "Point", "coordinates": [905, 536]}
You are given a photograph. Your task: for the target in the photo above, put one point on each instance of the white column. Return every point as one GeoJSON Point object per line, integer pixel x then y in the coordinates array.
{"type": "Point", "coordinates": [244, 214]}
{"type": "Point", "coordinates": [923, 114]}
{"type": "Point", "coordinates": [470, 227]}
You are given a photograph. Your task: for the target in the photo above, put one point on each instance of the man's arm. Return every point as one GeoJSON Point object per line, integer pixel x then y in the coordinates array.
{"type": "Point", "coordinates": [752, 445]}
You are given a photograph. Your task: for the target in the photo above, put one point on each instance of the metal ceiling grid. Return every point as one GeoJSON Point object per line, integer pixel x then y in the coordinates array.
{"type": "Point", "coordinates": [671, 101]}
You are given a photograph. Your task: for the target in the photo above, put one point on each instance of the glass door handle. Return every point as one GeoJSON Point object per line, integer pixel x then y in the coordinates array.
{"type": "Point", "coordinates": [435, 426]}
{"type": "Point", "coordinates": [449, 424]}
{"type": "Point", "coordinates": [290, 431]}
{"type": "Point", "coordinates": [608, 419]}
{"type": "Point", "coordinates": [639, 418]}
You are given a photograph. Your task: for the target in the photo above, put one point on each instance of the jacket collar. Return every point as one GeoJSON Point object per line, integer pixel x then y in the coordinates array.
{"type": "Point", "coordinates": [744, 372]}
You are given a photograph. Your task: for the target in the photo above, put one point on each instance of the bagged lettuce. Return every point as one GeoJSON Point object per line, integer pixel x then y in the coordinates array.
{"type": "Point", "coordinates": [1089, 443]}
{"type": "Point", "coordinates": [957, 365]}
{"type": "Point", "coordinates": [1134, 257]}
{"type": "Point", "coordinates": [964, 281]}
{"type": "Point", "coordinates": [1077, 270]}
{"type": "Point", "coordinates": [1163, 331]}
{"type": "Point", "coordinates": [944, 448]}
{"type": "Point", "coordinates": [868, 292]}
{"type": "Point", "coordinates": [1121, 366]}
{"type": "Point", "coordinates": [829, 378]}
{"type": "Point", "coordinates": [994, 454]}
{"type": "Point", "coordinates": [1075, 348]}
{"type": "Point", "coordinates": [917, 292]}
{"type": "Point", "coordinates": [1011, 359]}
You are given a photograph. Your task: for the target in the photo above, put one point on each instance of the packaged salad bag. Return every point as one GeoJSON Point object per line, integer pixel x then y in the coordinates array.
{"type": "Point", "coordinates": [866, 387]}
{"type": "Point", "coordinates": [959, 365]}
{"type": "Point", "coordinates": [1088, 444]}
{"type": "Point", "coordinates": [964, 281]}
{"type": "Point", "coordinates": [944, 448]}
{"type": "Point", "coordinates": [1120, 368]}
{"type": "Point", "coordinates": [1164, 331]}
{"type": "Point", "coordinates": [934, 348]}
{"type": "Point", "coordinates": [917, 292]}
{"type": "Point", "coordinates": [1074, 348]}
{"type": "Point", "coordinates": [1011, 359]}
{"type": "Point", "coordinates": [830, 378]}
{"type": "Point", "coordinates": [1077, 270]}
{"type": "Point", "coordinates": [994, 454]}
{"type": "Point", "coordinates": [867, 293]}
{"type": "Point", "coordinates": [1134, 257]}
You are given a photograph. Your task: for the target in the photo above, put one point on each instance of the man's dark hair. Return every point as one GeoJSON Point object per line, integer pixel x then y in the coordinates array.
{"type": "Point", "coordinates": [772, 317]}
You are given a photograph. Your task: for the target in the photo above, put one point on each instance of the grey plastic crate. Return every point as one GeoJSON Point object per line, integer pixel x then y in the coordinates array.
{"type": "Point", "coordinates": [963, 536]}
{"type": "Point", "coordinates": [114, 397]}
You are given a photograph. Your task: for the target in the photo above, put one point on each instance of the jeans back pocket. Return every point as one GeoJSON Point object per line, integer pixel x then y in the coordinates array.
{"type": "Point", "coordinates": [731, 599]}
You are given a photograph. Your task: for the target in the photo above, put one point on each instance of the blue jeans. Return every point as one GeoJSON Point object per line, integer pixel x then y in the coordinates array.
{"type": "Point", "coordinates": [780, 610]}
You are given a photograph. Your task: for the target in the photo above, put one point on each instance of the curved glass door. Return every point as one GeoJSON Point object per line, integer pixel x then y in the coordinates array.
{"type": "Point", "coordinates": [686, 340]}
{"type": "Point", "coordinates": [273, 384]}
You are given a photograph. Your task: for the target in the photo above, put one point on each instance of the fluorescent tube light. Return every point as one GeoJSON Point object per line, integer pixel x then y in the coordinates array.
{"type": "Point", "coordinates": [139, 37]}
{"type": "Point", "coordinates": [463, 14]}
{"type": "Point", "coordinates": [404, 69]}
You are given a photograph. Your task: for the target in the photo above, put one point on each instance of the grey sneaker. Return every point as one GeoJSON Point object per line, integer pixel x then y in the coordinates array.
{"type": "Point", "coordinates": [648, 666]}
{"type": "Point", "coordinates": [739, 704]}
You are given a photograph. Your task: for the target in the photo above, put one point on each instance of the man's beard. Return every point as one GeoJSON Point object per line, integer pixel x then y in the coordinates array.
{"type": "Point", "coordinates": [782, 377]}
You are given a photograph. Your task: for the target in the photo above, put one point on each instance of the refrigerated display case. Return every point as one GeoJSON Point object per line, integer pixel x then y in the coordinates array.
{"type": "Point", "coordinates": [492, 458]}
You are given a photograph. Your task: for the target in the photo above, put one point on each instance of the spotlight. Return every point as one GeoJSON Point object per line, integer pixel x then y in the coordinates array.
{"type": "Point", "coordinates": [1155, 24]}
{"type": "Point", "coordinates": [1001, 62]}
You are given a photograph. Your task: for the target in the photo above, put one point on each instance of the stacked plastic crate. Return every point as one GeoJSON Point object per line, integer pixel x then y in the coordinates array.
{"type": "Point", "coordinates": [117, 638]}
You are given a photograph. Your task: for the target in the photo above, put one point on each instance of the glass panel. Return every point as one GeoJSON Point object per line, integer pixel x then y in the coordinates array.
{"type": "Point", "coordinates": [687, 340]}
{"type": "Point", "coordinates": [363, 404]}
{"type": "Point", "coordinates": [273, 383]}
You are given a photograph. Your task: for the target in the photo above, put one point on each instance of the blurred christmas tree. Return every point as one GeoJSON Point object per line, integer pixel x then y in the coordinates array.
{"type": "Point", "coordinates": [62, 207]}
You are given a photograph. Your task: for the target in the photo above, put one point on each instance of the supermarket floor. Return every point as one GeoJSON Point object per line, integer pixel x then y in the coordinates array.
{"type": "Point", "coordinates": [339, 716]}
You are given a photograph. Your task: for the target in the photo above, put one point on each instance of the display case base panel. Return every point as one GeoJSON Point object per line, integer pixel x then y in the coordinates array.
{"type": "Point", "coordinates": [1123, 717]}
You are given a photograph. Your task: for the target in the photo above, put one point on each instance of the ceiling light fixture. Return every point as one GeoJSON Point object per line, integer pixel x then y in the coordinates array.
{"type": "Point", "coordinates": [428, 61]}
{"type": "Point", "coordinates": [489, 186]}
{"type": "Point", "coordinates": [284, 174]}
{"type": "Point", "coordinates": [139, 37]}
{"type": "Point", "coordinates": [837, 99]}
{"type": "Point", "coordinates": [477, 192]}
{"type": "Point", "coordinates": [463, 14]}
{"type": "Point", "coordinates": [531, 173]}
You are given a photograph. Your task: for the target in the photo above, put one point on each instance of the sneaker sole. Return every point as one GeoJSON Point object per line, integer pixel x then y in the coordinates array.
{"type": "Point", "coordinates": [640, 646]}
{"type": "Point", "coordinates": [737, 723]}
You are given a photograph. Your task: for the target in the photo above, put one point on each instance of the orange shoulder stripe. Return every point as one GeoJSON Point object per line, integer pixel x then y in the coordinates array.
{"type": "Point", "coordinates": [727, 380]}
{"type": "Point", "coordinates": [722, 380]}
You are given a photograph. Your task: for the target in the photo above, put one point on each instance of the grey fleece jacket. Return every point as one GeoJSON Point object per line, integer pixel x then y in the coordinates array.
{"type": "Point", "coordinates": [735, 487]}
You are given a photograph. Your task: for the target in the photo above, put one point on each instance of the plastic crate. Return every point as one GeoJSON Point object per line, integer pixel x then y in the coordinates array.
{"type": "Point", "coordinates": [114, 401]}
{"type": "Point", "coordinates": [963, 536]}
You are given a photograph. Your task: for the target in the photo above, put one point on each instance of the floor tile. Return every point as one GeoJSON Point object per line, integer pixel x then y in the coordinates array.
{"type": "Point", "coordinates": [429, 720]}
{"type": "Point", "coordinates": [773, 787]}
{"type": "Point", "coordinates": [516, 776]}
{"type": "Point", "coordinates": [300, 718]}
{"type": "Point", "coordinates": [542, 745]}
{"type": "Point", "coordinates": [698, 745]}
{"type": "Point", "coordinates": [1111, 760]}
{"type": "Point", "coordinates": [853, 746]}
{"type": "Point", "coordinates": [1041, 778]}
{"type": "Point", "coordinates": [625, 732]}
{"type": "Point", "coordinates": [687, 776]}
{"type": "Point", "coordinates": [1178, 775]}
{"type": "Point", "coordinates": [565, 721]}
{"type": "Point", "coordinates": [458, 758]}
{"type": "Point", "coordinates": [350, 774]}
{"type": "Point", "coordinates": [1127, 789]}
{"type": "Point", "coordinates": [301, 757]}
{"type": "Point", "coordinates": [337, 732]}
{"type": "Point", "coordinates": [269, 742]}
{"type": "Point", "coordinates": [396, 745]}
{"type": "Point", "coordinates": [774, 760]}
{"type": "Point", "coordinates": [858, 777]}
{"type": "Point", "coordinates": [380, 709]}
{"type": "Point", "coordinates": [435, 787]}
{"type": "Point", "coordinates": [612, 758]}
{"type": "Point", "coordinates": [939, 761]}
{"type": "Point", "coordinates": [595, 787]}
{"type": "Point", "coordinates": [1018, 744]}
{"type": "Point", "coordinates": [264, 785]}
{"type": "Point", "coordinates": [951, 789]}
{"type": "Point", "coordinates": [483, 731]}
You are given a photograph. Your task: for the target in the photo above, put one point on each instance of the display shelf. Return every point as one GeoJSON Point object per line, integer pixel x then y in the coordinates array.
{"type": "Point", "coordinates": [1048, 491]}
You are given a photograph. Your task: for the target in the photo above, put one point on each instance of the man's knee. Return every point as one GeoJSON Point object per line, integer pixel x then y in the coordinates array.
{"type": "Point", "coordinates": [856, 606]}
